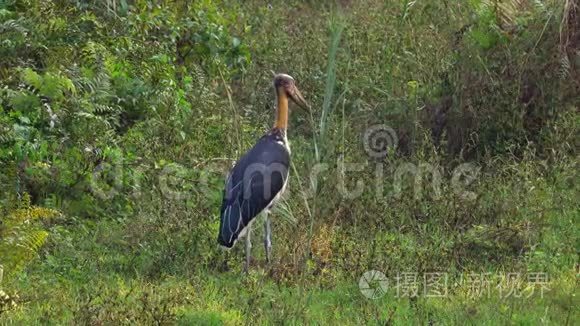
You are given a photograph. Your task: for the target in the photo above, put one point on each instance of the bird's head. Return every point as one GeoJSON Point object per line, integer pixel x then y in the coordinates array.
{"type": "Point", "coordinates": [285, 83]}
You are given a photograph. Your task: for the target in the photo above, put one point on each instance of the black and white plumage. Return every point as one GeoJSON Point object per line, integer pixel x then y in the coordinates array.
{"type": "Point", "coordinates": [260, 176]}
{"type": "Point", "coordinates": [254, 184]}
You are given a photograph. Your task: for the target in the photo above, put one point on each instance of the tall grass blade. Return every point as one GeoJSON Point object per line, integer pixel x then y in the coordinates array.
{"type": "Point", "coordinates": [336, 27]}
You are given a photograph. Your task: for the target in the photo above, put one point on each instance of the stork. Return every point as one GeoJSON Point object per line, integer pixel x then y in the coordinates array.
{"type": "Point", "coordinates": [260, 176]}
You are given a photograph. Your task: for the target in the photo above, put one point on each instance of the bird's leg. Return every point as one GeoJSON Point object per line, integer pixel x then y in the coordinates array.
{"type": "Point", "coordinates": [267, 237]}
{"type": "Point", "coordinates": [248, 250]}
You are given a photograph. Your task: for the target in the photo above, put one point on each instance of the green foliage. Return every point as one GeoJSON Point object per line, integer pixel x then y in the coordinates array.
{"type": "Point", "coordinates": [21, 237]}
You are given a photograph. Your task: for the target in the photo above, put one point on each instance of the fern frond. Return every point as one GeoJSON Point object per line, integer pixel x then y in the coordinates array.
{"type": "Point", "coordinates": [32, 241]}
{"type": "Point", "coordinates": [92, 55]}
{"type": "Point", "coordinates": [565, 67]}
{"type": "Point", "coordinates": [27, 215]}
{"type": "Point", "coordinates": [98, 85]}
{"type": "Point", "coordinates": [91, 116]}
{"type": "Point", "coordinates": [12, 26]}
{"type": "Point", "coordinates": [106, 109]}
{"type": "Point", "coordinates": [20, 236]}
{"type": "Point", "coordinates": [6, 135]}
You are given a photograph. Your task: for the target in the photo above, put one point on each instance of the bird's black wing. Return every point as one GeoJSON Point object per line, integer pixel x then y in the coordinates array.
{"type": "Point", "coordinates": [252, 185]}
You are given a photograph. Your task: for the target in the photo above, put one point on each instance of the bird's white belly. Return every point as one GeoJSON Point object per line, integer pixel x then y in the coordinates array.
{"type": "Point", "coordinates": [279, 194]}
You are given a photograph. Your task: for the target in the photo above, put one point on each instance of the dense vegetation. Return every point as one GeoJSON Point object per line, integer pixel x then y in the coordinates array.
{"type": "Point", "coordinates": [119, 120]}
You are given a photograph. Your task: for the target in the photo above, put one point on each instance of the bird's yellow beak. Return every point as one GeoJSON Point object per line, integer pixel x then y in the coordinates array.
{"type": "Point", "coordinates": [297, 97]}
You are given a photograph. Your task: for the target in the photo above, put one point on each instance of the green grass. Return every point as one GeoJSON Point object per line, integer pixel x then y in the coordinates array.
{"type": "Point", "coordinates": [89, 273]}
{"type": "Point", "coordinates": [234, 299]}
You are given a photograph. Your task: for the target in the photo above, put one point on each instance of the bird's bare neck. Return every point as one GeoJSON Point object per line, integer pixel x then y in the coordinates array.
{"type": "Point", "coordinates": [281, 110]}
